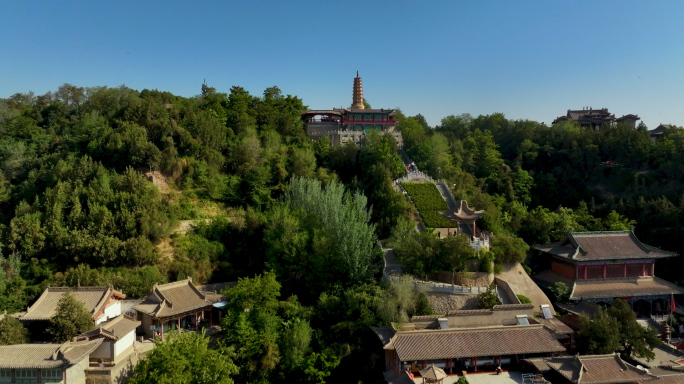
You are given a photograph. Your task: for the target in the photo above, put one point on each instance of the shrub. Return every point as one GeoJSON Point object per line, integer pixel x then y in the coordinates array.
{"type": "Point", "coordinates": [422, 305]}
{"type": "Point", "coordinates": [488, 299]}
{"type": "Point", "coordinates": [560, 290]}
{"type": "Point", "coordinates": [524, 299]}
{"type": "Point", "coordinates": [498, 268]}
{"type": "Point", "coordinates": [487, 264]}
{"type": "Point", "coordinates": [462, 380]}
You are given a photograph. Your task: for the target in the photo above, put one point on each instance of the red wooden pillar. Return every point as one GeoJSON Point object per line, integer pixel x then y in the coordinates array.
{"type": "Point", "coordinates": [451, 365]}
{"type": "Point", "coordinates": [652, 269]}
{"type": "Point", "coordinates": [605, 268]}
{"type": "Point", "coordinates": [425, 364]}
{"type": "Point", "coordinates": [475, 363]}
{"type": "Point", "coordinates": [162, 330]}
{"type": "Point", "coordinates": [196, 325]}
{"type": "Point", "coordinates": [179, 323]}
{"type": "Point", "coordinates": [585, 272]}
{"type": "Point", "coordinates": [643, 269]}
{"type": "Point", "coordinates": [624, 270]}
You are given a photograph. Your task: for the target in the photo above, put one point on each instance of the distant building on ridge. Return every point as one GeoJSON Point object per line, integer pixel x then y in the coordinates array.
{"type": "Point", "coordinates": [597, 119]}
{"type": "Point", "coordinates": [350, 124]}
{"type": "Point", "coordinates": [658, 133]}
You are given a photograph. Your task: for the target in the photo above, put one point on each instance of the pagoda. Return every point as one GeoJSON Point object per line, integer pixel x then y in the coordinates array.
{"type": "Point", "coordinates": [602, 266]}
{"type": "Point", "coordinates": [351, 124]}
{"type": "Point", "coordinates": [465, 218]}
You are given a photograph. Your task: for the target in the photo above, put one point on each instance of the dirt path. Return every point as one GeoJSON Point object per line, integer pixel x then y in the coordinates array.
{"type": "Point", "coordinates": [522, 284]}
{"type": "Point", "coordinates": [159, 181]}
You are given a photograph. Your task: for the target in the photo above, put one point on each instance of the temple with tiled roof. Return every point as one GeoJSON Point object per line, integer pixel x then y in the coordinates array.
{"type": "Point", "coordinates": [46, 363]}
{"type": "Point", "coordinates": [597, 119]}
{"type": "Point", "coordinates": [180, 305]}
{"type": "Point", "coordinates": [471, 340]}
{"type": "Point", "coordinates": [343, 125]}
{"type": "Point", "coordinates": [601, 266]}
{"type": "Point", "coordinates": [101, 302]}
{"type": "Point", "coordinates": [596, 369]}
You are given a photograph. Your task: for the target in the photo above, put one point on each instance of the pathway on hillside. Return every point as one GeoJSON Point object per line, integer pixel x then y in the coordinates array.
{"type": "Point", "coordinates": [447, 196]}
{"type": "Point", "coordinates": [392, 266]}
{"type": "Point", "coordinates": [505, 299]}
{"type": "Point", "coordinates": [522, 284]}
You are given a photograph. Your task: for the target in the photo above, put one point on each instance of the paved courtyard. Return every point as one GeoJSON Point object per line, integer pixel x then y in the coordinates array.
{"type": "Point", "coordinates": [484, 378]}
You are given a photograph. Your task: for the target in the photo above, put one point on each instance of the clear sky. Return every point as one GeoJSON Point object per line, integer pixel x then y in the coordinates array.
{"type": "Point", "coordinates": [526, 59]}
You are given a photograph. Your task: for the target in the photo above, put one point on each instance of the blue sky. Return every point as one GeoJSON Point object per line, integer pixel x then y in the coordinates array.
{"type": "Point", "coordinates": [526, 59]}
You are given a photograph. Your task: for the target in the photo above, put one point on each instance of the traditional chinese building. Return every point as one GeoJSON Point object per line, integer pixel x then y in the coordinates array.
{"type": "Point", "coordinates": [102, 303]}
{"type": "Point", "coordinates": [601, 266]}
{"type": "Point", "coordinates": [597, 119]}
{"type": "Point", "coordinates": [179, 305]}
{"type": "Point", "coordinates": [350, 124]}
{"type": "Point", "coordinates": [595, 369]}
{"type": "Point", "coordinates": [658, 132]}
{"type": "Point", "coordinates": [471, 340]}
{"type": "Point", "coordinates": [46, 363]}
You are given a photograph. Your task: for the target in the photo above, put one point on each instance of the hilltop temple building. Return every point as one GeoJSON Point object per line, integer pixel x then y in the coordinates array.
{"type": "Point", "coordinates": [602, 266]}
{"type": "Point", "coordinates": [597, 119]}
{"type": "Point", "coordinates": [350, 124]}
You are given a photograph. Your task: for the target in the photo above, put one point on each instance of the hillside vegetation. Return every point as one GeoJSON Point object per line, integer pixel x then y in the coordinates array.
{"type": "Point", "coordinates": [296, 221]}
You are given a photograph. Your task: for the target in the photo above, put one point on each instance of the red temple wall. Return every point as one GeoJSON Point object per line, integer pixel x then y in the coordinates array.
{"type": "Point", "coordinates": [563, 269]}
{"type": "Point", "coordinates": [612, 271]}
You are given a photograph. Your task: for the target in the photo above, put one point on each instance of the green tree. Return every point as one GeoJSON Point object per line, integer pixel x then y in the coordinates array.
{"type": "Point", "coordinates": [12, 331]}
{"type": "Point", "coordinates": [599, 335]}
{"type": "Point", "coordinates": [348, 235]}
{"type": "Point", "coordinates": [71, 319]}
{"type": "Point", "coordinates": [509, 249]}
{"type": "Point", "coordinates": [635, 340]}
{"type": "Point", "coordinates": [560, 291]}
{"type": "Point", "coordinates": [488, 299]}
{"type": "Point", "coordinates": [185, 358]}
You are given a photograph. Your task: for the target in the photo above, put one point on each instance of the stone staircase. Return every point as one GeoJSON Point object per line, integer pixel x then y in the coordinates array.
{"type": "Point", "coordinates": [446, 195]}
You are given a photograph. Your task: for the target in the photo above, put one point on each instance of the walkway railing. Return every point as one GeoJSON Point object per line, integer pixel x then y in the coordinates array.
{"type": "Point", "coordinates": [413, 175]}
{"type": "Point", "coordinates": [430, 286]}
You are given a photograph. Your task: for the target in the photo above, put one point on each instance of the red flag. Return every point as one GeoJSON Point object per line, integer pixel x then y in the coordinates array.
{"type": "Point", "coordinates": [672, 304]}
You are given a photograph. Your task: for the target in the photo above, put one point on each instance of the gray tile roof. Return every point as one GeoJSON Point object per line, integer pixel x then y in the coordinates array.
{"type": "Point", "coordinates": [597, 369]}
{"type": "Point", "coordinates": [45, 356]}
{"type": "Point", "coordinates": [93, 298]}
{"type": "Point", "coordinates": [628, 286]}
{"type": "Point", "coordinates": [587, 246]}
{"type": "Point", "coordinates": [176, 298]}
{"type": "Point", "coordinates": [113, 329]}
{"type": "Point", "coordinates": [473, 342]}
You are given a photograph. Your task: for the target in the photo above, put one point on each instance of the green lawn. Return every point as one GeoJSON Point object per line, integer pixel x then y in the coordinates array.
{"type": "Point", "coordinates": [429, 202]}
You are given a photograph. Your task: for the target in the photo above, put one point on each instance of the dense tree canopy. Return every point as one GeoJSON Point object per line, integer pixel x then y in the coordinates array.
{"type": "Point", "coordinates": [616, 330]}
{"type": "Point", "coordinates": [113, 186]}
{"type": "Point", "coordinates": [185, 358]}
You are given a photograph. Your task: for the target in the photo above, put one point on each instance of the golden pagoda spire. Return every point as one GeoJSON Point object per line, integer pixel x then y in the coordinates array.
{"type": "Point", "coordinates": [357, 100]}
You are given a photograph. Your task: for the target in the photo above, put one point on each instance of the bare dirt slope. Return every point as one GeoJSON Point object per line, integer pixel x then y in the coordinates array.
{"type": "Point", "coordinates": [159, 181]}
{"type": "Point", "coordinates": [522, 284]}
